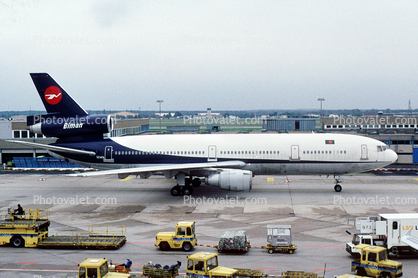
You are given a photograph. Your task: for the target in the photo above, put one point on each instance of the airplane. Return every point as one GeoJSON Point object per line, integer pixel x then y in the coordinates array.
{"type": "Point", "coordinates": [228, 161]}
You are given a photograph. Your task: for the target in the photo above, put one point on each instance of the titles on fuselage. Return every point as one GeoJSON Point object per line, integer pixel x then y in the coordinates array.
{"type": "Point", "coordinates": [72, 126]}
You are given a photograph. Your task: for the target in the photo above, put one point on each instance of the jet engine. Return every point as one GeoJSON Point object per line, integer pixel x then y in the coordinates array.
{"type": "Point", "coordinates": [232, 180]}
{"type": "Point", "coordinates": [65, 127]}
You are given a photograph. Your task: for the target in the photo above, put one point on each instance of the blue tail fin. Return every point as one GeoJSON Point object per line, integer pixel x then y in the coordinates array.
{"type": "Point", "coordinates": [55, 99]}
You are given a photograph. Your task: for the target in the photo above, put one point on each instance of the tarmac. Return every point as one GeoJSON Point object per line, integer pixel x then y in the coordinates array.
{"type": "Point", "coordinates": [319, 217]}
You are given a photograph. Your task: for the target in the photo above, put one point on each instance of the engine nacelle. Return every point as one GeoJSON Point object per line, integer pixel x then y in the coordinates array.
{"type": "Point", "coordinates": [65, 127]}
{"type": "Point", "coordinates": [232, 180]}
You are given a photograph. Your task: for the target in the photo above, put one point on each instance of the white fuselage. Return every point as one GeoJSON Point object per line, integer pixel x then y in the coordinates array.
{"type": "Point", "coordinates": [263, 153]}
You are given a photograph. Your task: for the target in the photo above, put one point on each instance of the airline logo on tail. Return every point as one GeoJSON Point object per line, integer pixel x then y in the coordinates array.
{"type": "Point", "coordinates": [53, 95]}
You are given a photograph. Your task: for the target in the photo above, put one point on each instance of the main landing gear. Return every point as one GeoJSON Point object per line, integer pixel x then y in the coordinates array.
{"type": "Point", "coordinates": [184, 185]}
{"type": "Point", "coordinates": [337, 186]}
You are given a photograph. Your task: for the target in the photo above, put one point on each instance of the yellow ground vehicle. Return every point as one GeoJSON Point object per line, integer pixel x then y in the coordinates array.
{"type": "Point", "coordinates": [205, 264]}
{"type": "Point", "coordinates": [184, 237]}
{"type": "Point", "coordinates": [98, 268]}
{"type": "Point", "coordinates": [30, 229]}
{"type": "Point", "coordinates": [374, 262]}
{"type": "Point", "coordinates": [24, 230]}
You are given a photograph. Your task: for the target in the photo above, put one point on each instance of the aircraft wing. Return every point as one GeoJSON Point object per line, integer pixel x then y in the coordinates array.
{"type": "Point", "coordinates": [412, 241]}
{"type": "Point", "coordinates": [54, 148]}
{"type": "Point", "coordinates": [166, 167]}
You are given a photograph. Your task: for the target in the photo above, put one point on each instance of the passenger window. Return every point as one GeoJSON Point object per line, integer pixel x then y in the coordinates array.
{"type": "Point", "coordinates": [395, 225]}
{"type": "Point", "coordinates": [189, 231]}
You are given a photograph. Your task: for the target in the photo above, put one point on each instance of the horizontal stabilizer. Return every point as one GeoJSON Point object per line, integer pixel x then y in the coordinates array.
{"type": "Point", "coordinates": [158, 168]}
{"type": "Point", "coordinates": [54, 148]}
{"type": "Point", "coordinates": [412, 241]}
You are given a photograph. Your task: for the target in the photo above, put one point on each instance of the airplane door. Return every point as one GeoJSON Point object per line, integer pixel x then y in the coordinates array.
{"type": "Point", "coordinates": [295, 153]}
{"type": "Point", "coordinates": [212, 153]}
{"type": "Point", "coordinates": [108, 154]}
{"type": "Point", "coordinates": [364, 153]}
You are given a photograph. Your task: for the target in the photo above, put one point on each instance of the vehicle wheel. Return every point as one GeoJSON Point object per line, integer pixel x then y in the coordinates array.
{"type": "Point", "coordinates": [219, 250]}
{"type": "Point", "coordinates": [187, 246]}
{"type": "Point", "coordinates": [17, 241]}
{"type": "Point", "coordinates": [290, 251]}
{"type": "Point", "coordinates": [175, 191]}
{"type": "Point", "coordinates": [338, 188]}
{"type": "Point", "coordinates": [386, 275]}
{"type": "Point", "coordinates": [361, 272]}
{"type": "Point", "coordinates": [270, 251]}
{"type": "Point", "coordinates": [187, 190]}
{"type": "Point", "coordinates": [196, 182]}
{"type": "Point", "coordinates": [164, 246]}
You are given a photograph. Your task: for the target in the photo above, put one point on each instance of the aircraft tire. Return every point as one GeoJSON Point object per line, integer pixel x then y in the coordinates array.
{"type": "Point", "coordinates": [196, 182]}
{"type": "Point", "coordinates": [175, 191]}
{"type": "Point", "coordinates": [187, 190]}
{"type": "Point", "coordinates": [338, 188]}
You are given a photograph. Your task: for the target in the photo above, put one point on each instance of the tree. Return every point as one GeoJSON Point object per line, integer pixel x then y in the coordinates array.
{"type": "Point", "coordinates": [356, 113]}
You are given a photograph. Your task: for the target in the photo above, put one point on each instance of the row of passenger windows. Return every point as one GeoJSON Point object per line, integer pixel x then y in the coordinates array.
{"type": "Point", "coordinates": [221, 152]}
{"type": "Point", "coordinates": [157, 152]}
{"type": "Point", "coordinates": [249, 152]}
{"type": "Point", "coordinates": [324, 152]}
{"type": "Point", "coordinates": [370, 126]}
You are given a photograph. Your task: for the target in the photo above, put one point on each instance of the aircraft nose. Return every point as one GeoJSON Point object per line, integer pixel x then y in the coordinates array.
{"type": "Point", "coordinates": [392, 156]}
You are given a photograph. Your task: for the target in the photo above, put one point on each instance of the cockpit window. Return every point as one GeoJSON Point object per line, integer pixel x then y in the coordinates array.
{"type": "Point", "coordinates": [382, 148]}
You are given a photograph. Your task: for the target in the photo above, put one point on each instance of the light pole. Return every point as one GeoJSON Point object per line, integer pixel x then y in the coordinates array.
{"type": "Point", "coordinates": [321, 99]}
{"type": "Point", "coordinates": [159, 103]}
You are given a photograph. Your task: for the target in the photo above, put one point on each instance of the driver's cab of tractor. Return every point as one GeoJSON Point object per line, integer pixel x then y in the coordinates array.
{"type": "Point", "coordinates": [97, 268]}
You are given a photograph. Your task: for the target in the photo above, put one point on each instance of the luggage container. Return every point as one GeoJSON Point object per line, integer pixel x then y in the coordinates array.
{"type": "Point", "coordinates": [279, 238]}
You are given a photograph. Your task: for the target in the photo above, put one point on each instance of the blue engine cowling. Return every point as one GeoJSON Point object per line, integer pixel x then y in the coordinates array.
{"type": "Point", "coordinates": [66, 127]}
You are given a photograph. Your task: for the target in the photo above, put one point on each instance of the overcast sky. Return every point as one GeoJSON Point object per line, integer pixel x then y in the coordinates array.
{"type": "Point", "coordinates": [227, 55]}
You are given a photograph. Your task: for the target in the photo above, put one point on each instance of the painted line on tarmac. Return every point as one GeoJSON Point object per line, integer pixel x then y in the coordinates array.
{"type": "Point", "coordinates": [27, 263]}
{"type": "Point", "coordinates": [38, 270]}
{"type": "Point", "coordinates": [324, 246]}
{"type": "Point", "coordinates": [140, 242]}
{"type": "Point", "coordinates": [50, 270]}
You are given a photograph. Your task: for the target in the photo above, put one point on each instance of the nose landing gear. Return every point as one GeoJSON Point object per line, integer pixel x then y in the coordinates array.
{"type": "Point", "coordinates": [337, 186]}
